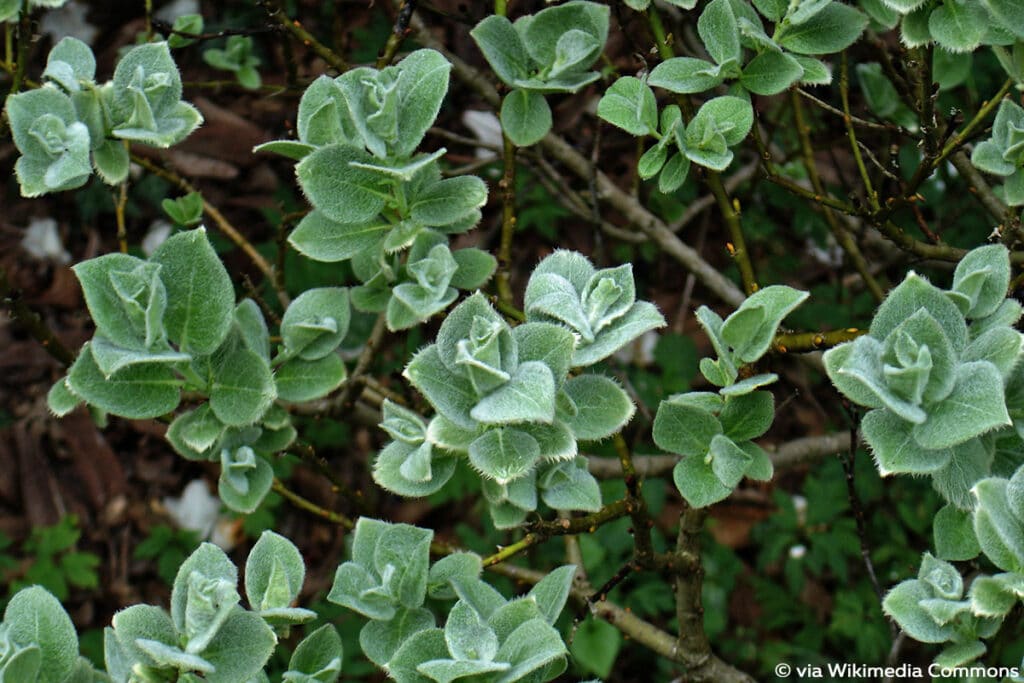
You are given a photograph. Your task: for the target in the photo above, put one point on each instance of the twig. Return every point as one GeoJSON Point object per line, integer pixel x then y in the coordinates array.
{"type": "Point", "coordinates": [311, 507]}
{"type": "Point", "coordinates": [352, 384]}
{"type": "Point", "coordinates": [730, 208]}
{"type": "Point", "coordinates": [839, 231]}
{"type": "Point", "coordinates": [844, 95]}
{"type": "Point", "coordinates": [32, 322]}
{"type": "Point", "coordinates": [788, 455]}
{"type": "Point", "coordinates": [398, 33]}
{"type": "Point", "coordinates": [276, 12]}
{"type": "Point", "coordinates": [858, 515]}
{"type": "Point", "coordinates": [542, 531]}
{"type": "Point", "coordinates": [802, 342]}
{"type": "Point", "coordinates": [642, 523]}
{"type": "Point", "coordinates": [223, 224]}
{"type": "Point", "coordinates": [508, 222]}
{"type": "Point", "coordinates": [120, 203]}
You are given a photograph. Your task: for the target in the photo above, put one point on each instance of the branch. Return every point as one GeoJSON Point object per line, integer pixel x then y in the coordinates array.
{"type": "Point", "coordinates": [643, 632]}
{"type": "Point", "coordinates": [23, 314]}
{"type": "Point", "coordinates": [542, 531]}
{"type": "Point", "coordinates": [276, 12]}
{"type": "Point", "coordinates": [223, 224]}
{"type": "Point", "coordinates": [790, 454]}
{"type": "Point", "coordinates": [311, 507]}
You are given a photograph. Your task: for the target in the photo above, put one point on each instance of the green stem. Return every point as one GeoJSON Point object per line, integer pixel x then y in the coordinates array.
{"type": "Point", "coordinates": [841, 234]}
{"type": "Point", "coordinates": [729, 208]}
{"type": "Point", "coordinates": [311, 507]}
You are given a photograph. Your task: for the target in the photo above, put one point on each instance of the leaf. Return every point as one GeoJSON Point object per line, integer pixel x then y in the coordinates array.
{"type": "Point", "coordinates": [1000, 532]}
{"type": "Point", "coordinates": [322, 239]}
{"type": "Point", "coordinates": [954, 535]}
{"type": "Point", "coordinates": [915, 293]}
{"type": "Point", "coordinates": [816, 72]}
{"type": "Point", "coordinates": [422, 85]}
{"type": "Point", "coordinates": [315, 322]}
{"type": "Point", "coordinates": [958, 26]}
{"type": "Point", "coordinates": [750, 329]}
{"type": "Point", "coordinates": [207, 561]}
{"type": "Point", "coordinates": [450, 569]}
{"type": "Point", "coordinates": [895, 449]}
{"type": "Point", "coordinates": [697, 483]}
{"type": "Point", "coordinates": [475, 268]}
{"type": "Point", "coordinates": [35, 617]}
{"type": "Point", "coordinates": [342, 192]}
{"type": "Point", "coordinates": [603, 408]}
{"type": "Point", "coordinates": [596, 646]}
{"type": "Point", "coordinates": [1009, 13]}
{"type": "Point", "coordinates": [60, 400]}
{"type": "Point", "coordinates": [552, 592]}
{"type": "Point", "coordinates": [673, 175]}
{"type": "Point", "coordinates": [748, 416]}
{"type": "Point", "coordinates": [983, 276]}
{"type": "Point", "coordinates": [528, 648]}
{"type": "Point", "coordinates": [69, 63]}
{"type": "Point", "coordinates": [422, 646]}
{"type": "Point", "coordinates": [567, 485]}
{"type": "Point", "coordinates": [468, 636]}
{"type": "Point", "coordinates": [504, 454]}
{"type": "Point", "coordinates": [300, 380]}
{"type": "Point", "coordinates": [200, 296]}
{"type": "Point", "coordinates": [684, 429]}
{"type": "Point", "coordinates": [380, 640]}
{"type": "Point", "coordinates": [242, 388]}
{"type": "Point", "coordinates": [641, 317]}
{"type": "Point", "coordinates": [719, 31]}
{"type": "Point", "coordinates": [318, 656]}
{"type": "Point", "coordinates": [138, 392]}
{"type": "Point", "coordinates": [449, 200]}
{"type": "Point", "coordinates": [729, 462]}
{"type": "Point", "coordinates": [134, 623]}
{"type": "Point", "coordinates": [193, 434]}
{"type": "Point", "coordinates": [111, 358]}
{"type": "Point", "coordinates": [108, 310]}
{"type": "Point", "coordinates": [685, 75]}
{"type": "Point", "coordinates": [975, 406]}
{"type": "Point", "coordinates": [542, 35]}
{"type": "Point", "coordinates": [240, 649]}
{"type": "Point", "coordinates": [902, 603]}
{"type": "Point", "coordinates": [449, 394]}
{"type": "Point", "coordinates": [503, 48]}
{"type": "Point", "coordinates": [770, 73]}
{"type": "Point", "coordinates": [525, 117]}
{"type": "Point", "coordinates": [412, 471]}
{"type": "Point", "coordinates": [529, 396]}
{"type": "Point", "coordinates": [834, 28]}
{"type": "Point", "coordinates": [274, 572]}
{"type": "Point", "coordinates": [630, 105]}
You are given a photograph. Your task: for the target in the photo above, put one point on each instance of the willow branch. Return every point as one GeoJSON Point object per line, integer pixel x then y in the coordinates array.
{"type": "Point", "coordinates": [311, 507]}
{"type": "Point", "coordinates": [790, 454]}
{"type": "Point", "coordinates": [22, 314]}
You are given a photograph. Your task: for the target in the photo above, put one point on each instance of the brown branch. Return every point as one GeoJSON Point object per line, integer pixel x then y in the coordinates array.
{"type": "Point", "coordinates": [22, 314]}
{"type": "Point", "coordinates": [276, 12]}
{"type": "Point", "coordinates": [790, 454]}
{"type": "Point", "coordinates": [222, 223]}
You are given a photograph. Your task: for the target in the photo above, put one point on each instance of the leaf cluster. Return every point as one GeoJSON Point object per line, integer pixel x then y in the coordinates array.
{"type": "Point", "coordinates": [551, 51]}
{"type": "Point", "coordinates": [378, 203]}
{"type": "Point", "coordinates": [170, 324]}
{"type": "Point", "coordinates": [714, 431]}
{"type": "Point", "coordinates": [504, 397]}
{"type": "Point", "coordinates": [73, 125]}
{"type": "Point", "coordinates": [485, 639]}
